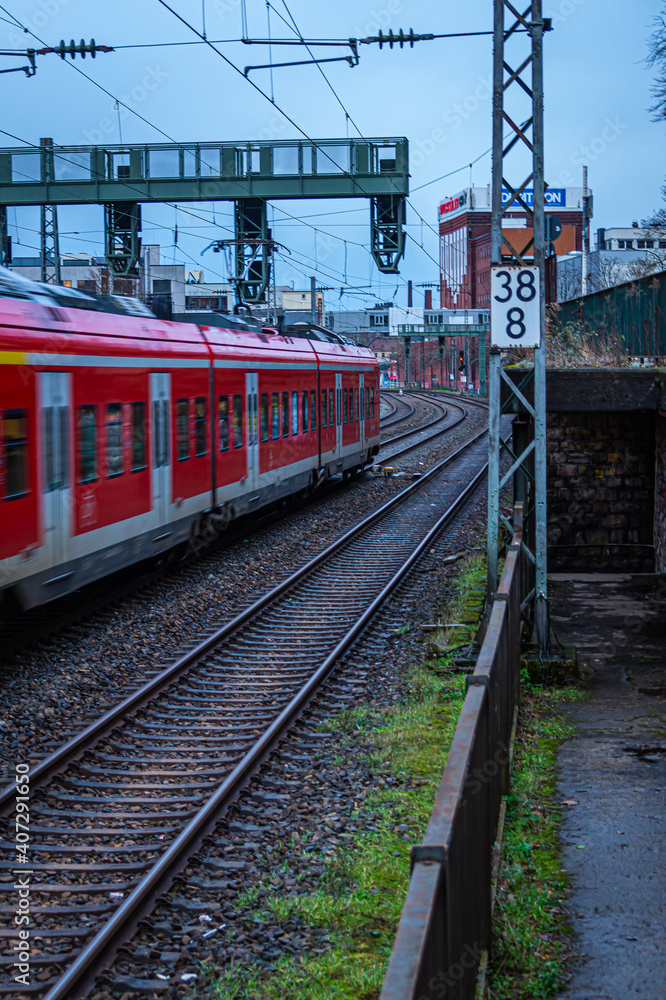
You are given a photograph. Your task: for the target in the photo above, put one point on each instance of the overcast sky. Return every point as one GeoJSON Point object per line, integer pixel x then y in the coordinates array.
{"type": "Point", "coordinates": [597, 91]}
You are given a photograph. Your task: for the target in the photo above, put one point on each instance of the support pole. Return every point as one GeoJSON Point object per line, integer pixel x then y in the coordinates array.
{"type": "Point", "coordinates": [541, 514]}
{"type": "Point", "coordinates": [493, 471]}
{"type": "Point", "coordinates": [586, 237]}
{"type": "Point", "coordinates": [5, 241]}
{"type": "Point", "coordinates": [408, 351]}
{"type": "Point", "coordinates": [49, 241]}
{"type": "Point", "coordinates": [518, 70]}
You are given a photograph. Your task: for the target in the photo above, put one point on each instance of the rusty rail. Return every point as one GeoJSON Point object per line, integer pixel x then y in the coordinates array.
{"type": "Point", "coordinates": [443, 938]}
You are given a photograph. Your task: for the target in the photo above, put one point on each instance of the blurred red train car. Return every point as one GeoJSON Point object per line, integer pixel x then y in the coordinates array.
{"type": "Point", "coordinates": [122, 436]}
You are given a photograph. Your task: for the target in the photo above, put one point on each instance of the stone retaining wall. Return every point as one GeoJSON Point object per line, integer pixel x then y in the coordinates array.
{"type": "Point", "coordinates": [601, 491]}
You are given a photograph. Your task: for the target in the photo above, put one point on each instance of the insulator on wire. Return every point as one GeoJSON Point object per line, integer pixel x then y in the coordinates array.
{"type": "Point", "coordinates": [63, 49]}
{"type": "Point", "coordinates": [400, 38]}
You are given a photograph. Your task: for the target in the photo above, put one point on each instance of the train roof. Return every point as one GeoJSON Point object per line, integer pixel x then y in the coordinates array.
{"type": "Point", "coordinates": [72, 312]}
{"type": "Point", "coordinates": [15, 286]}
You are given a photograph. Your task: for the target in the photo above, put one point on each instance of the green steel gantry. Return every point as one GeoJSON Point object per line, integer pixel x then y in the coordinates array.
{"type": "Point", "coordinates": [448, 331]}
{"type": "Point", "coordinates": [122, 178]}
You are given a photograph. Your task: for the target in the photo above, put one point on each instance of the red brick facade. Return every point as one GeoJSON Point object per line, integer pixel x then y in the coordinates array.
{"type": "Point", "coordinates": [465, 249]}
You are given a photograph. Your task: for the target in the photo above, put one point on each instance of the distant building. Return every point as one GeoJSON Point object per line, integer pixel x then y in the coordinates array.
{"type": "Point", "coordinates": [621, 254]}
{"type": "Point", "coordinates": [464, 234]}
{"type": "Point", "coordinates": [89, 273]}
{"type": "Point", "coordinates": [384, 320]}
{"type": "Point", "coordinates": [378, 327]}
{"type": "Point", "coordinates": [631, 238]}
{"type": "Point", "coordinates": [173, 289]}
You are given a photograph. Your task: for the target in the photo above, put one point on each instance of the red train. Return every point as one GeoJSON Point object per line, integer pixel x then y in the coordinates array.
{"type": "Point", "coordinates": [122, 436]}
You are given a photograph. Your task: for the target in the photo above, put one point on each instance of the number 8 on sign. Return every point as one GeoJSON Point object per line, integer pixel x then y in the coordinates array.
{"type": "Point", "coordinates": [515, 307]}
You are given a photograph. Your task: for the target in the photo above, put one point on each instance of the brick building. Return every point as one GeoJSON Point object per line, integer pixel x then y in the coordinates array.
{"type": "Point", "coordinates": [464, 239]}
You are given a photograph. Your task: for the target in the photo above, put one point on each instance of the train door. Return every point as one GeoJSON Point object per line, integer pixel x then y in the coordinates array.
{"type": "Point", "coordinates": [160, 391]}
{"type": "Point", "coordinates": [338, 413]}
{"type": "Point", "coordinates": [251, 406]}
{"type": "Point", "coordinates": [55, 395]}
{"type": "Point", "coordinates": [361, 392]}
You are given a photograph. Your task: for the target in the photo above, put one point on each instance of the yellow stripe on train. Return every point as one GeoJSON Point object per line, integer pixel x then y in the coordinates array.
{"type": "Point", "coordinates": [12, 358]}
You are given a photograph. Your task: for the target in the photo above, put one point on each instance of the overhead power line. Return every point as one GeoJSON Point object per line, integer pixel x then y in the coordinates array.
{"type": "Point", "coordinates": [96, 84]}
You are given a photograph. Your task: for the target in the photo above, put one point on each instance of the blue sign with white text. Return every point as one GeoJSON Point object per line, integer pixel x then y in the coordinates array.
{"type": "Point", "coordinates": [554, 197]}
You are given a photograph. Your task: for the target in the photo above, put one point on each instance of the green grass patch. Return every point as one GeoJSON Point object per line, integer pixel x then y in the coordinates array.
{"type": "Point", "coordinates": [530, 930]}
{"type": "Point", "coordinates": [357, 904]}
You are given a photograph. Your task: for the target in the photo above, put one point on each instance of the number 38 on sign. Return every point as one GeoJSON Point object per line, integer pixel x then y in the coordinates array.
{"type": "Point", "coordinates": [515, 307]}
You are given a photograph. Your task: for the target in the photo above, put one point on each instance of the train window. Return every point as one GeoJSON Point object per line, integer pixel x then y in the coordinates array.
{"type": "Point", "coordinates": [305, 410]}
{"type": "Point", "coordinates": [331, 408]}
{"type": "Point", "coordinates": [87, 426]}
{"type": "Point", "coordinates": [264, 416]}
{"type": "Point", "coordinates": [367, 401]}
{"type": "Point", "coordinates": [183, 429]}
{"type": "Point", "coordinates": [324, 413]}
{"type": "Point", "coordinates": [356, 404]}
{"type": "Point", "coordinates": [160, 433]}
{"type": "Point", "coordinates": [294, 412]}
{"type": "Point", "coordinates": [275, 415]}
{"type": "Point", "coordinates": [138, 436]}
{"type": "Point", "coordinates": [372, 401]}
{"type": "Point", "coordinates": [362, 405]}
{"type": "Point", "coordinates": [15, 438]}
{"type": "Point", "coordinates": [238, 421]}
{"type": "Point", "coordinates": [223, 421]}
{"type": "Point", "coordinates": [50, 451]}
{"type": "Point", "coordinates": [285, 414]}
{"type": "Point", "coordinates": [114, 441]}
{"type": "Point", "coordinates": [54, 448]}
{"type": "Point", "coordinates": [62, 474]}
{"type": "Point", "coordinates": [313, 410]}
{"type": "Point", "coordinates": [200, 426]}
{"type": "Point", "coordinates": [345, 405]}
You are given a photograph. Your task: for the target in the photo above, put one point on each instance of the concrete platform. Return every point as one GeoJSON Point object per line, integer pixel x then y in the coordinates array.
{"type": "Point", "coordinates": [612, 784]}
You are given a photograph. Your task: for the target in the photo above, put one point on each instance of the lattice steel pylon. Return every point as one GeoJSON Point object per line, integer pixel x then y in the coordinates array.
{"type": "Point", "coordinates": [518, 97]}
{"type": "Point", "coordinates": [50, 245]}
{"type": "Point", "coordinates": [49, 241]}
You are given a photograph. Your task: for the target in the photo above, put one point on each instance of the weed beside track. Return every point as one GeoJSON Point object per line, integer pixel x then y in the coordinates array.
{"type": "Point", "coordinates": [531, 933]}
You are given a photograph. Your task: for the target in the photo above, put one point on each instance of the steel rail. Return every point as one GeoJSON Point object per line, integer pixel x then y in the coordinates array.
{"type": "Point", "coordinates": [88, 737]}
{"type": "Point", "coordinates": [102, 948]}
{"type": "Point", "coordinates": [383, 459]}
{"type": "Point", "coordinates": [416, 430]}
{"type": "Point", "coordinates": [401, 416]}
{"type": "Point", "coordinates": [387, 399]}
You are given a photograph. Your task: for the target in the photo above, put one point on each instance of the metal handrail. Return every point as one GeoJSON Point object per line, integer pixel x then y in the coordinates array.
{"type": "Point", "coordinates": [443, 938]}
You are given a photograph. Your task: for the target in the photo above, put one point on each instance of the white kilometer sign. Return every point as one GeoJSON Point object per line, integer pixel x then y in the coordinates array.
{"type": "Point", "coordinates": [515, 307]}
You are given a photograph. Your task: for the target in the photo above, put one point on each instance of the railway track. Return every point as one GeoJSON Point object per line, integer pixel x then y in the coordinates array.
{"type": "Point", "coordinates": [24, 629]}
{"type": "Point", "coordinates": [451, 414]}
{"type": "Point", "coordinates": [402, 411]}
{"type": "Point", "coordinates": [116, 812]}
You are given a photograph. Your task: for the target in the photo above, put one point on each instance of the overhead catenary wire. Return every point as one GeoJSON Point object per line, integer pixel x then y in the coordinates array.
{"type": "Point", "coordinates": [16, 23]}
{"type": "Point", "coordinates": [203, 39]}
{"type": "Point", "coordinates": [99, 85]}
{"type": "Point", "coordinates": [348, 117]}
{"type": "Point", "coordinates": [263, 93]}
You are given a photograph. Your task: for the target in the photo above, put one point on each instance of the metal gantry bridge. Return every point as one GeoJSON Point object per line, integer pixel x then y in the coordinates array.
{"type": "Point", "coordinates": [122, 178]}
